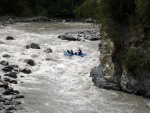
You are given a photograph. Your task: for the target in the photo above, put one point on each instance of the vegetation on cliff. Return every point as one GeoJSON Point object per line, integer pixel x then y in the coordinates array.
{"type": "Point", "coordinates": [28, 8]}
{"type": "Point", "coordinates": [127, 24]}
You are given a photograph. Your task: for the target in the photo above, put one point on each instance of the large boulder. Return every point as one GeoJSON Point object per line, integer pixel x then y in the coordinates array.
{"type": "Point", "coordinates": [9, 38]}
{"type": "Point", "coordinates": [100, 80]}
{"type": "Point", "coordinates": [69, 37]}
{"type": "Point", "coordinates": [91, 35]}
{"type": "Point", "coordinates": [30, 62]}
{"type": "Point", "coordinates": [33, 46]}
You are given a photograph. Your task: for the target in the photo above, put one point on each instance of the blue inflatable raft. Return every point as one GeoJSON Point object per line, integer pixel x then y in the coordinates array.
{"type": "Point", "coordinates": [68, 54]}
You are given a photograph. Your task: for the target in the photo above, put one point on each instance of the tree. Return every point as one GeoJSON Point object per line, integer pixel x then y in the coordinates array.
{"type": "Point", "coordinates": [121, 21]}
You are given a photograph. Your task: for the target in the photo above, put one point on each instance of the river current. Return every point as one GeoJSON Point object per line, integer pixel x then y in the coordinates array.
{"type": "Point", "coordinates": [61, 84]}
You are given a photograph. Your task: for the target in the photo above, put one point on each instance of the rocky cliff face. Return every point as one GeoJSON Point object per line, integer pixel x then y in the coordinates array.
{"type": "Point", "coordinates": [106, 48]}
{"type": "Point", "coordinates": [130, 74]}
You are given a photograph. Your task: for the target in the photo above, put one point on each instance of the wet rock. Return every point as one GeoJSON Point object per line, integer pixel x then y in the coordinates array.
{"type": "Point", "coordinates": [69, 38]}
{"type": "Point", "coordinates": [2, 42]}
{"type": "Point", "coordinates": [9, 38]}
{"type": "Point", "coordinates": [28, 46]}
{"type": "Point", "coordinates": [48, 50]}
{"type": "Point", "coordinates": [91, 35]}
{"type": "Point", "coordinates": [7, 79]}
{"type": "Point", "coordinates": [99, 79]}
{"type": "Point", "coordinates": [10, 68]}
{"type": "Point", "coordinates": [11, 108]}
{"type": "Point", "coordinates": [97, 71]}
{"type": "Point", "coordinates": [2, 100]}
{"type": "Point", "coordinates": [13, 81]}
{"type": "Point", "coordinates": [94, 38]}
{"type": "Point", "coordinates": [7, 69]}
{"type": "Point", "coordinates": [30, 62]}
{"type": "Point", "coordinates": [19, 96]}
{"type": "Point", "coordinates": [14, 66]}
{"type": "Point", "coordinates": [11, 74]}
{"type": "Point", "coordinates": [6, 56]}
{"type": "Point", "coordinates": [1, 108]}
{"type": "Point", "coordinates": [7, 111]}
{"type": "Point", "coordinates": [22, 76]}
{"type": "Point", "coordinates": [2, 85]}
{"type": "Point", "coordinates": [48, 59]}
{"type": "Point", "coordinates": [148, 105]}
{"type": "Point", "coordinates": [8, 91]}
{"type": "Point", "coordinates": [26, 71]}
{"type": "Point", "coordinates": [33, 46]}
{"type": "Point", "coordinates": [136, 85]}
{"type": "Point", "coordinates": [12, 102]}
{"type": "Point", "coordinates": [16, 92]}
{"type": "Point", "coordinates": [4, 63]}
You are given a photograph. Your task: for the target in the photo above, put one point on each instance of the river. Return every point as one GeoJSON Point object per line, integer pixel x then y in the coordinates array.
{"type": "Point", "coordinates": [60, 84]}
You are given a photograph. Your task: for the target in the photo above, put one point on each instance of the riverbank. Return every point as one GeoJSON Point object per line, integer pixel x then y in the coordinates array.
{"type": "Point", "coordinates": [5, 20]}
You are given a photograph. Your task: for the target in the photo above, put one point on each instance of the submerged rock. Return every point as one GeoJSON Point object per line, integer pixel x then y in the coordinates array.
{"type": "Point", "coordinates": [1, 42]}
{"type": "Point", "coordinates": [48, 50]}
{"type": "Point", "coordinates": [5, 63]}
{"type": "Point", "coordinates": [19, 96]}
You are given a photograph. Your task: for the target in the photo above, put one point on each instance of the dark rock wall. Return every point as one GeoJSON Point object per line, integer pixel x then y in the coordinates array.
{"type": "Point", "coordinates": [127, 70]}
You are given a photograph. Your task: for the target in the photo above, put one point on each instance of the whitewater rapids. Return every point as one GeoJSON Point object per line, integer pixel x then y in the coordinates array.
{"type": "Point", "coordinates": [61, 84]}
